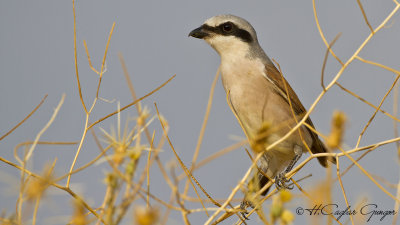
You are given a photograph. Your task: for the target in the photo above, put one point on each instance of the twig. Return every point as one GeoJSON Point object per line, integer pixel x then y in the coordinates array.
{"type": "Point", "coordinates": [367, 102]}
{"type": "Point", "coordinates": [323, 36]}
{"type": "Point", "coordinates": [341, 186]}
{"type": "Point", "coordinates": [104, 60]}
{"type": "Point", "coordinates": [203, 127]}
{"type": "Point", "coordinates": [27, 117]}
{"type": "Point", "coordinates": [376, 110]}
{"type": "Point", "coordinates": [232, 194]}
{"type": "Point", "coordinates": [69, 191]}
{"type": "Point", "coordinates": [76, 61]}
{"type": "Point", "coordinates": [148, 170]}
{"type": "Point", "coordinates": [131, 104]}
{"type": "Point", "coordinates": [182, 164]}
{"type": "Point", "coordinates": [88, 56]}
{"type": "Point", "coordinates": [365, 17]}
{"type": "Point", "coordinates": [215, 156]}
{"type": "Point", "coordinates": [29, 154]}
{"type": "Point", "coordinates": [326, 59]}
{"type": "Point", "coordinates": [395, 110]}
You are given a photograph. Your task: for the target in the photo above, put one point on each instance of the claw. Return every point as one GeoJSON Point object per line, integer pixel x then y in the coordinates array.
{"type": "Point", "coordinates": [244, 215]}
{"type": "Point", "coordinates": [243, 206]}
{"type": "Point", "coordinates": [280, 179]}
{"type": "Point", "coordinates": [282, 182]}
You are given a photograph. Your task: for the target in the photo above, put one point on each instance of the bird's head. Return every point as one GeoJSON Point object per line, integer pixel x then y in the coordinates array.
{"type": "Point", "coordinates": [228, 34]}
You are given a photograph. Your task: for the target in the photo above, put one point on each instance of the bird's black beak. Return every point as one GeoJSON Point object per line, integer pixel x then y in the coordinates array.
{"type": "Point", "coordinates": [199, 33]}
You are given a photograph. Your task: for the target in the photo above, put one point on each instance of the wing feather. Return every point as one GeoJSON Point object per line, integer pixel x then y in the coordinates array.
{"type": "Point", "coordinates": [279, 82]}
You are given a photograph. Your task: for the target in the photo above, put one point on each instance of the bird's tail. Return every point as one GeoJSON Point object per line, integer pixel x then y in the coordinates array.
{"type": "Point", "coordinates": [319, 147]}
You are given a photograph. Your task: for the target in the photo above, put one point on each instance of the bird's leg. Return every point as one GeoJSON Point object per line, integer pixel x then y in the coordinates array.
{"type": "Point", "coordinates": [280, 179]}
{"type": "Point", "coordinates": [243, 206]}
{"type": "Point", "coordinates": [246, 202]}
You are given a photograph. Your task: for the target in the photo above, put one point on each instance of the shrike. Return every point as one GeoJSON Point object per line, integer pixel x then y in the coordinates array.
{"type": "Point", "coordinates": [259, 96]}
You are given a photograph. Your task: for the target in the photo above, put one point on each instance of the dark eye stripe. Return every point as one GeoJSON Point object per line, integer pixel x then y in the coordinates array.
{"type": "Point", "coordinates": [237, 32]}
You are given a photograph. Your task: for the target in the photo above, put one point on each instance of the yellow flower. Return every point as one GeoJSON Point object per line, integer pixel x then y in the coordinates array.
{"type": "Point", "coordinates": [287, 217]}
{"type": "Point", "coordinates": [37, 186]}
{"type": "Point", "coordinates": [146, 216]}
{"type": "Point", "coordinates": [79, 217]}
{"type": "Point", "coordinates": [334, 139]}
{"type": "Point", "coordinates": [285, 195]}
{"type": "Point", "coordinates": [259, 142]}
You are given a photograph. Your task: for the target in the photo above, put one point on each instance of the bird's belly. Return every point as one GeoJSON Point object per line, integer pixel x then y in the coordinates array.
{"type": "Point", "coordinates": [258, 108]}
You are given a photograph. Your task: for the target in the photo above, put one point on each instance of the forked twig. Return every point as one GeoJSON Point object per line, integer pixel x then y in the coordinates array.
{"type": "Point", "coordinates": [56, 110]}
{"type": "Point", "coordinates": [323, 36]}
{"type": "Point", "coordinates": [76, 60]}
{"type": "Point", "coordinates": [131, 104]}
{"type": "Point", "coordinates": [394, 118]}
{"type": "Point", "coordinates": [326, 59]}
{"type": "Point", "coordinates": [383, 99]}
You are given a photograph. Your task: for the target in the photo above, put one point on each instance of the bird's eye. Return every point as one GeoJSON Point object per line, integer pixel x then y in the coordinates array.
{"type": "Point", "coordinates": [227, 27]}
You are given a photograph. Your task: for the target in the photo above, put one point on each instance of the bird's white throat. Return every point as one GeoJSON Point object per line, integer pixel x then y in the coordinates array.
{"type": "Point", "coordinates": [229, 48]}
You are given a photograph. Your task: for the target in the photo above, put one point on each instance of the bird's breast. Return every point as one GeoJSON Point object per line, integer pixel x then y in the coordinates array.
{"type": "Point", "coordinates": [254, 99]}
{"type": "Point", "coordinates": [249, 91]}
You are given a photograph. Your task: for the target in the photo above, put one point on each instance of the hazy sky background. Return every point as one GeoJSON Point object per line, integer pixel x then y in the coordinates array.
{"type": "Point", "coordinates": [36, 58]}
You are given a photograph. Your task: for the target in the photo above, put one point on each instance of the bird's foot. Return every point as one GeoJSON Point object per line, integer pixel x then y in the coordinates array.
{"type": "Point", "coordinates": [280, 180]}
{"type": "Point", "coordinates": [243, 206]}
{"type": "Point", "coordinates": [282, 183]}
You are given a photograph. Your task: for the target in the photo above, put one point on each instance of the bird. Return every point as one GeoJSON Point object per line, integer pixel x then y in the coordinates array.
{"type": "Point", "coordinates": [260, 97]}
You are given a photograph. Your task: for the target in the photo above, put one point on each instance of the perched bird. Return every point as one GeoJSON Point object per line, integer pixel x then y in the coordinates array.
{"type": "Point", "coordinates": [260, 97]}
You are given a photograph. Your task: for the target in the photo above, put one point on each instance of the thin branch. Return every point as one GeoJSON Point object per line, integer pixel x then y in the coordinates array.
{"type": "Point", "coordinates": [129, 81]}
{"type": "Point", "coordinates": [27, 117]}
{"type": "Point", "coordinates": [56, 110]}
{"type": "Point", "coordinates": [365, 15]}
{"type": "Point", "coordinates": [104, 60]}
{"type": "Point", "coordinates": [78, 151]}
{"type": "Point", "coordinates": [394, 118]}
{"type": "Point", "coordinates": [378, 65]}
{"type": "Point", "coordinates": [341, 187]}
{"type": "Point", "coordinates": [188, 173]}
{"type": "Point", "coordinates": [369, 176]}
{"type": "Point", "coordinates": [323, 36]}
{"type": "Point", "coordinates": [311, 198]}
{"type": "Point", "coordinates": [358, 159]}
{"type": "Point", "coordinates": [395, 110]}
{"type": "Point", "coordinates": [236, 189]}
{"type": "Point", "coordinates": [131, 104]}
{"type": "Point", "coordinates": [16, 148]}
{"type": "Point", "coordinates": [376, 111]}
{"type": "Point", "coordinates": [203, 127]}
{"type": "Point", "coordinates": [148, 169]}
{"type": "Point", "coordinates": [69, 191]}
{"type": "Point", "coordinates": [76, 61]}
{"type": "Point", "coordinates": [88, 56]}
{"type": "Point", "coordinates": [215, 156]}
{"type": "Point", "coordinates": [326, 59]}
{"type": "Point", "coordinates": [102, 153]}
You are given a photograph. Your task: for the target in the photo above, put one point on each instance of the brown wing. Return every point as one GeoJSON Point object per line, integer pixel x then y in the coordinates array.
{"type": "Point", "coordinates": [274, 76]}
